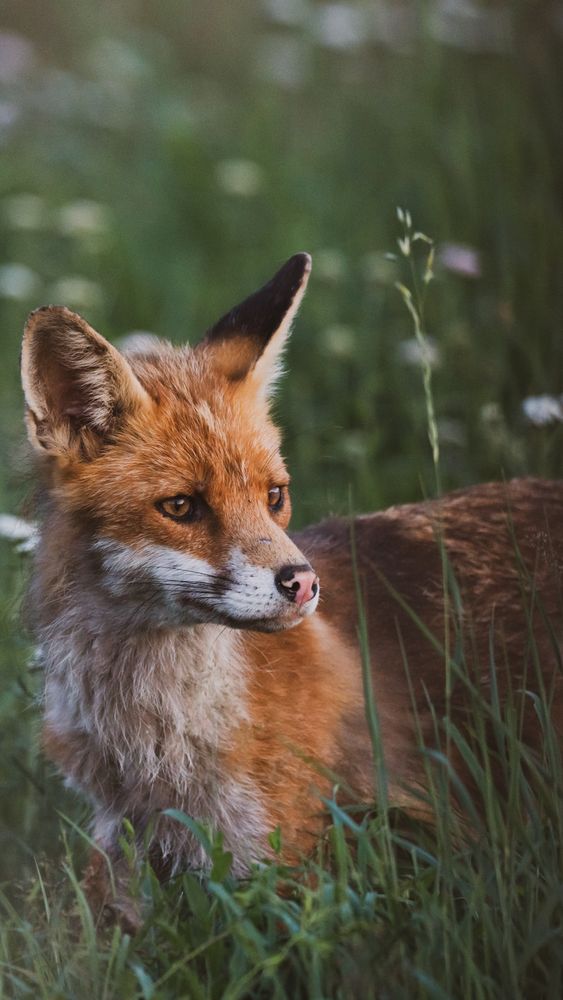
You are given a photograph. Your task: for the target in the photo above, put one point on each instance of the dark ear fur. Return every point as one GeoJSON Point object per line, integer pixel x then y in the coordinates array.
{"type": "Point", "coordinates": [77, 386]}
{"type": "Point", "coordinates": [258, 327]}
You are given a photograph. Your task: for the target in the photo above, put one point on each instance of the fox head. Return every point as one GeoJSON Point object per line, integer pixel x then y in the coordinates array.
{"type": "Point", "coordinates": [168, 463]}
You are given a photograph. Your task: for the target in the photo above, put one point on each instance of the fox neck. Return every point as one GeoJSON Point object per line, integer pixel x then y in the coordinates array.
{"type": "Point", "coordinates": [143, 721]}
{"type": "Point", "coordinates": [151, 699]}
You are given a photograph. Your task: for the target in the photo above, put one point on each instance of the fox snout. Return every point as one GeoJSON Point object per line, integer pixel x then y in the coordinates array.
{"type": "Point", "coordinates": [269, 597]}
{"type": "Point", "coordinates": [299, 584]}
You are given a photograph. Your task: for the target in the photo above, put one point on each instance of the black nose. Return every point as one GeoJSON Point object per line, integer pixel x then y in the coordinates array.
{"type": "Point", "coordinates": [297, 583]}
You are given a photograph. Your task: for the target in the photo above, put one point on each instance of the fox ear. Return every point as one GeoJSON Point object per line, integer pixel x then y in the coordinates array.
{"type": "Point", "coordinates": [76, 385]}
{"type": "Point", "coordinates": [249, 340]}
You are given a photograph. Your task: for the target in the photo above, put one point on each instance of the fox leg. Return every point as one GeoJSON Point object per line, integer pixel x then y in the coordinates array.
{"type": "Point", "coordinates": [107, 885]}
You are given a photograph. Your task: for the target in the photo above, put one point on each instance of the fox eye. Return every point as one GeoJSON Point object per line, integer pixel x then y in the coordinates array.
{"type": "Point", "coordinates": [179, 508]}
{"type": "Point", "coordinates": [276, 497]}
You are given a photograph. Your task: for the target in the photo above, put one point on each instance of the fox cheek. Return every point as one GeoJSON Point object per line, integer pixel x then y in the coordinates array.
{"type": "Point", "coordinates": [158, 581]}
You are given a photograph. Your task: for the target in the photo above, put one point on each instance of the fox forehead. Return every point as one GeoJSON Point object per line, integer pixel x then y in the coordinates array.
{"type": "Point", "coordinates": [201, 433]}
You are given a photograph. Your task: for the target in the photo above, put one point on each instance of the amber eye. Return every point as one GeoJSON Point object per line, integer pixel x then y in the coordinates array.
{"type": "Point", "coordinates": [276, 497]}
{"type": "Point", "coordinates": [180, 508]}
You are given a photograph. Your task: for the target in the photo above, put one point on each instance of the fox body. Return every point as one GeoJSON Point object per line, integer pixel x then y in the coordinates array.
{"type": "Point", "coordinates": [188, 661]}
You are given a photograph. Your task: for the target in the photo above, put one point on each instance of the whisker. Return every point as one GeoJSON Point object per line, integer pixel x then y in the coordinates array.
{"type": "Point", "coordinates": [217, 577]}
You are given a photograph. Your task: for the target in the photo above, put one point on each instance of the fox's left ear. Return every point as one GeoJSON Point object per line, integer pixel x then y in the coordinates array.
{"type": "Point", "coordinates": [247, 343]}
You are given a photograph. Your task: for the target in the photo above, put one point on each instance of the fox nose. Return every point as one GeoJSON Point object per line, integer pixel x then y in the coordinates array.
{"type": "Point", "coordinates": [298, 583]}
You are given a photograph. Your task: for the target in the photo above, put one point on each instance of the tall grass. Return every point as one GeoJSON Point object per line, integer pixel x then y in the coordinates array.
{"type": "Point", "coordinates": [468, 906]}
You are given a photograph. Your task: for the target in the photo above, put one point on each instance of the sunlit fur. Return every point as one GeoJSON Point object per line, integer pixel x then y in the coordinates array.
{"type": "Point", "coordinates": [174, 673]}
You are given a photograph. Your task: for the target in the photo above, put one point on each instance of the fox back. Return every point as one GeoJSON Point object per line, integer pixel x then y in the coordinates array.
{"type": "Point", "coordinates": [188, 661]}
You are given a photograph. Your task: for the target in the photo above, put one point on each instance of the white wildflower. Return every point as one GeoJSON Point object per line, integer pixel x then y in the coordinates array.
{"type": "Point", "coordinates": [543, 410]}
{"type": "Point", "coordinates": [354, 445]}
{"type": "Point", "coordinates": [15, 529]}
{"type": "Point", "coordinates": [25, 211]}
{"type": "Point", "coordinates": [77, 291]}
{"type": "Point", "coordinates": [242, 178]}
{"type": "Point", "coordinates": [340, 340]}
{"type": "Point", "coordinates": [491, 414]}
{"type": "Point", "coordinates": [18, 281]}
{"type": "Point", "coordinates": [415, 352]}
{"type": "Point", "coordinates": [288, 12]}
{"type": "Point", "coordinates": [340, 25]}
{"type": "Point", "coordinates": [330, 264]}
{"type": "Point", "coordinates": [460, 259]}
{"type": "Point", "coordinates": [83, 218]}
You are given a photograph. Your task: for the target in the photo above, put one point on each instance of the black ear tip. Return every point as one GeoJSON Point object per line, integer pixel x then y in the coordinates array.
{"type": "Point", "coordinates": [300, 264]}
{"type": "Point", "coordinates": [291, 277]}
{"type": "Point", "coordinates": [262, 313]}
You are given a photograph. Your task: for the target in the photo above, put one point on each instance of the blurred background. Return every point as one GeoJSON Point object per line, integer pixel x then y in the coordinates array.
{"type": "Point", "coordinates": [159, 160]}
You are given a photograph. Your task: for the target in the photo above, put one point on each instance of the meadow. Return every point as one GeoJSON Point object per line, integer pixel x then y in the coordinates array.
{"type": "Point", "coordinates": [157, 163]}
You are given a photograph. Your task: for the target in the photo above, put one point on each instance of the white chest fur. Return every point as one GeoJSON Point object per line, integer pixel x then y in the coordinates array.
{"type": "Point", "coordinates": [152, 714]}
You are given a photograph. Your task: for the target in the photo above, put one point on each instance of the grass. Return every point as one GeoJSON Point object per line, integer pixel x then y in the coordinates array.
{"type": "Point", "coordinates": [471, 905]}
{"type": "Point", "coordinates": [201, 171]}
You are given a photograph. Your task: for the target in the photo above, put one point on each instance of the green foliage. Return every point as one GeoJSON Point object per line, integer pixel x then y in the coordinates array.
{"type": "Point", "coordinates": [390, 907]}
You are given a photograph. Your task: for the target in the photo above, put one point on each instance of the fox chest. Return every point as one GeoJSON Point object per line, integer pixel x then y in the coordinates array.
{"type": "Point", "coordinates": [133, 760]}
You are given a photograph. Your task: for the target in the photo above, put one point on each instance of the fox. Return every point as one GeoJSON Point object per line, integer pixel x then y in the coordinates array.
{"type": "Point", "coordinates": [199, 657]}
